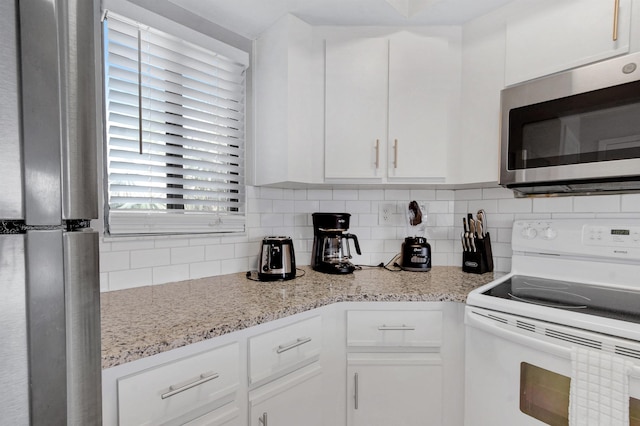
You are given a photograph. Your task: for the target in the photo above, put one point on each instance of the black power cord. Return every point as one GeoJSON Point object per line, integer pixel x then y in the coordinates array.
{"type": "Point", "coordinates": [393, 261]}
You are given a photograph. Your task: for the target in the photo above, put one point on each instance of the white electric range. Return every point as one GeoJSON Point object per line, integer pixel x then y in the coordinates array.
{"type": "Point", "coordinates": [573, 291]}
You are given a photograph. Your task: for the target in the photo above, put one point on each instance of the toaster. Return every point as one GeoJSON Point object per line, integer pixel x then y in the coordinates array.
{"type": "Point", "coordinates": [277, 259]}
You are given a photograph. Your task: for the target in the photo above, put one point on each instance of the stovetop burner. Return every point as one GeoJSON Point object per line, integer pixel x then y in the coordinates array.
{"type": "Point", "coordinates": [610, 302]}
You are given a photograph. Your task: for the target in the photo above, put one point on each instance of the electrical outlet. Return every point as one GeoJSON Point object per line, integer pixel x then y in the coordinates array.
{"type": "Point", "coordinates": [386, 212]}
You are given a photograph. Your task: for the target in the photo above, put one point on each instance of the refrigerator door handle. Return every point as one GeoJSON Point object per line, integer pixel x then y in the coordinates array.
{"type": "Point", "coordinates": [82, 300]}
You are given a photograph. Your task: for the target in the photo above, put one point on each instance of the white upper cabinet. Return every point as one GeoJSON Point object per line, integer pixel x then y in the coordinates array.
{"type": "Point", "coordinates": [288, 98]}
{"type": "Point", "coordinates": [356, 78]}
{"type": "Point", "coordinates": [548, 36]}
{"type": "Point", "coordinates": [388, 107]}
{"type": "Point", "coordinates": [423, 89]}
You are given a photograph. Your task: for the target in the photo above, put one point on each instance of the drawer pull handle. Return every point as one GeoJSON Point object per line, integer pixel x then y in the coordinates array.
{"type": "Point", "coordinates": [176, 389]}
{"type": "Point", "coordinates": [288, 346]}
{"type": "Point", "coordinates": [402, 327]}
{"type": "Point", "coordinates": [263, 419]}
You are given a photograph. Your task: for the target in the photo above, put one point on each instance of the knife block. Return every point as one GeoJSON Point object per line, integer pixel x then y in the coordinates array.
{"type": "Point", "coordinates": [481, 260]}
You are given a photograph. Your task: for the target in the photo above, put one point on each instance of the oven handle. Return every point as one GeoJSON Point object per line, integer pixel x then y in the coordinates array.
{"type": "Point", "coordinates": [480, 320]}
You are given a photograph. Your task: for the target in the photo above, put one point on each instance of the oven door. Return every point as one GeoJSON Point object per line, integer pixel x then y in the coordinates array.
{"type": "Point", "coordinates": [516, 375]}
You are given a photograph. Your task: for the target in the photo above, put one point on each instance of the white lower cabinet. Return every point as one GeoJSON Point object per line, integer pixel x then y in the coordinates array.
{"type": "Point", "coordinates": [348, 364]}
{"type": "Point", "coordinates": [180, 391]}
{"type": "Point", "coordinates": [229, 415]}
{"type": "Point", "coordinates": [292, 400]}
{"type": "Point", "coordinates": [394, 389]}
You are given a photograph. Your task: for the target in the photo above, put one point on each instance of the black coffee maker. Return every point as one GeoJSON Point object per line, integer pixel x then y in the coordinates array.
{"type": "Point", "coordinates": [331, 252]}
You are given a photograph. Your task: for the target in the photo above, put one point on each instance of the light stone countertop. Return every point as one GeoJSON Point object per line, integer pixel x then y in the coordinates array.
{"type": "Point", "coordinates": [144, 321]}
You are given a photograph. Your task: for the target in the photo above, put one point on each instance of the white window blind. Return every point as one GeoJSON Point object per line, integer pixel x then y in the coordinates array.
{"type": "Point", "coordinates": [175, 119]}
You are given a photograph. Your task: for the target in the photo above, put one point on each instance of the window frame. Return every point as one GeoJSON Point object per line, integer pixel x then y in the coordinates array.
{"type": "Point", "coordinates": [128, 223]}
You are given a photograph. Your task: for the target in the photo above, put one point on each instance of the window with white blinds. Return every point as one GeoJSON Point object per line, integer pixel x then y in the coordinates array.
{"type": "Point", "coordinates": [175, 120]}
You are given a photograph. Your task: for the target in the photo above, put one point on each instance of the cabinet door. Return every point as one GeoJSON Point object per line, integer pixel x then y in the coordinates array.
{"type": "Point", "coordinates": [293, 400]}
{"type": "Point", "coordinates": [394, 389]}
{"type": "Point", "coordinates": [423, 81]}
{"type": "Point", "coordinates": [356, 108]}
{"type": "Point", "coordinates": [551, 36]}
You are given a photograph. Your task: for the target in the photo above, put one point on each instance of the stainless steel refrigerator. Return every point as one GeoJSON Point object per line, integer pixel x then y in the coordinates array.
{"type": "Point", "coordinates": [49, 276]}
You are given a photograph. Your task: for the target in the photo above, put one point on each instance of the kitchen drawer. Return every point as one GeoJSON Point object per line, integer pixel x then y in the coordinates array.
{"type": "Point", "coordinates": [179, 391]}
{"type": "Point", "coordinates": [394, 328]}
{"type": "Point", "coordinates": [229, 415]}
{"type": "Point", "coordinates": [284, 349]}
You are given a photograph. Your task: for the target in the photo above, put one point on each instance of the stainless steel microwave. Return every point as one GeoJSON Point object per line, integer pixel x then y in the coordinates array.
{"type": "Point", "coordinates": [576, 132]}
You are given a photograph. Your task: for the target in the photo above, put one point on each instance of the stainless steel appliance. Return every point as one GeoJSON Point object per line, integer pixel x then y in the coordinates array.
{"type": "Point", "coordinates": [331, 252]}
{"type": "Point", "coordinates": [572, 295]}
{"type": "Point", "coordinates": [50, 369]}
{"type": "Point", "coordinates": [277, 259]}
{"type": "Point", "coordinates": [574, 132]}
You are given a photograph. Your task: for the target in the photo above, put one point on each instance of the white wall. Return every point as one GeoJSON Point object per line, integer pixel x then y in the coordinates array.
{"type": "Point", "coordinates": [133, 262]}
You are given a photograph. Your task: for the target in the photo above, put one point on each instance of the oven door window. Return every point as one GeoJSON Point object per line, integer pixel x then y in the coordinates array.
{"type": "Point", "coordinates": [544, 395]}
{"type": "Point", "coordinates": [634, 412]}
{"type": "Point", "coordinates": [590, 127]}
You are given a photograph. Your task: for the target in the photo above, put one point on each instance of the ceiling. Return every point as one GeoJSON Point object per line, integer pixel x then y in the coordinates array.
{"type": "Point", "coordinates": [250, 18]}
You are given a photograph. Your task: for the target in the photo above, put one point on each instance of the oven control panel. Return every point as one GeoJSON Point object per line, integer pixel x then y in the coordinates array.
{"type": "Point", "coordinates": [619, 238]}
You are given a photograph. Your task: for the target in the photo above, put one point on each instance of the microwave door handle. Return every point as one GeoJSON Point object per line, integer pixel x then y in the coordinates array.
{"type": "Point", "coordinates": [477, 320]}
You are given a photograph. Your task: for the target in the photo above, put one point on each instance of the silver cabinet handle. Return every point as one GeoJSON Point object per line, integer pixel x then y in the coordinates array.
{"type": "Point", "coordinates": [176, 389]}
{"type": "Point", "coordinates": [355, 393]}
{"type": "Point", "coordinates": [616, 15]}
{"type": "Point", "coordinates": [263, 419]}
{"type": "Point", "coordinates": [395, 153]}
{"type": "Point", "coordinates": [377, 153]}
{"type": "Point", "coordinates": [295, 344]}
{"type": "Point", "coordinates": [402, 327]}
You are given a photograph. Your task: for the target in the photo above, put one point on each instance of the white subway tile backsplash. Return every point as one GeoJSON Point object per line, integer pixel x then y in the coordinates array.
{"type": "Point", "coordinates": [306, 206]}
{"type": "Point", "coordinates": [468, 194]}
{"type": "Point", "coordinates": [114, 261]}
{"type": "Point", "coordinates": [552, 204]}
{"type": "Point", "coordinates": [371, 194]}
{"type": "Point", "coordinates": [397, 195]}
{"type": "Point", "coordinates": [515, 205]}
{"type": "Point", "coordinates": [496, 193]}
{"type": "Point", "coordinates": [333, 206]}
{"type": "Point", "coordinates": [172, 242]}
{"type": "Point", "coordinates": [319, 194]}
{"type": "Point", "coordinates": [131, 262]}
{"type": "Point", "coordinates": [445, 194]}
{"type": "Point", "coordinates": [132, 245]}
{"type": "Point", "coordinates": [204, 269]}
{"type": "Point", "coordinates": [283, 206]}
{"type": "Point", "coordinates": [147, 258]}
{"type": "Point", "coordinates": [489, 206]}
{"type": "Point", "coordinates": [271, 220]}
{"type": "Point", "coordinates": [272, 193]}
{"type": "Point", "coordinates": [119, 280]}
{"type": "Point", "coordinates": [630, 203]}
{"type": "Point", "coordinates": [423, 194]}
{"type": "Point", "coordinates": [354, 207]}
{"type": "Point", "coordinates": [167, 274]}
{"type": "Point", "coordinates": [187, 254]}
{"type": "Point", "coordinates": [219, 252]}
{"type": "Point", "coordinates": [345, 194]}
{"type": "Point", "coordinates": [231, 266]}
{"type": "Point", "coordinates": [597, 204]}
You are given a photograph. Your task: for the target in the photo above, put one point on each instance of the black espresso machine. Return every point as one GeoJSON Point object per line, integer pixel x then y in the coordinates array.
{"type": "Point", "coordinates": [331, 253]}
